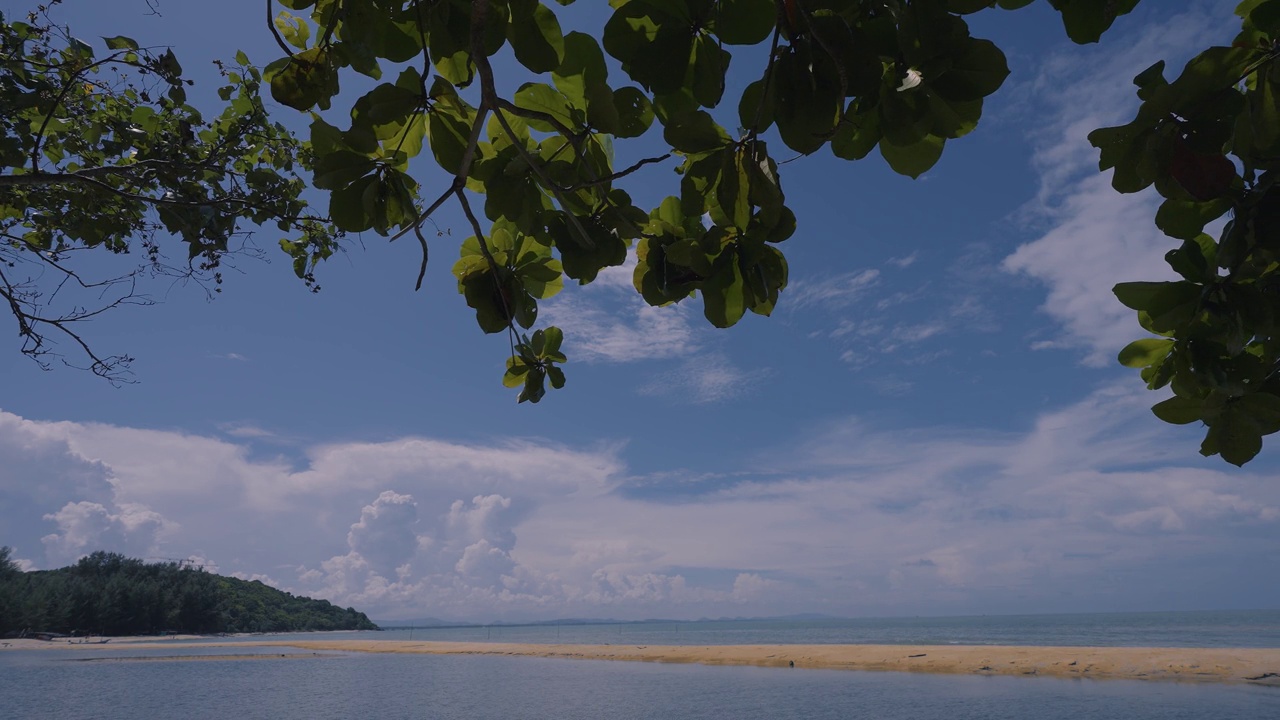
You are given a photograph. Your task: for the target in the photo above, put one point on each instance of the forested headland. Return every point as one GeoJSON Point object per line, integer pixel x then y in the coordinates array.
{"type": "Point", "coordinates": [110, 594]}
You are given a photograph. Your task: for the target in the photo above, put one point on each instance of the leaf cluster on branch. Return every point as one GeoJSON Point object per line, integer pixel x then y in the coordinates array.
{"type": "Point", "coordinates": [103, 152]}
{"type": "Point", "coordinates": [533, 167]}
{"type": "Point", "coordinates": [1209, 143]}
{"type": "Point", "coordinates": [902, 76]}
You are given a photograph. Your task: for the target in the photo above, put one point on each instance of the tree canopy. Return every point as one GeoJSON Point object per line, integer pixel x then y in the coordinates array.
{"type": "Point", "coordinates": [110, 594]}
{"type": "Point", "coordinates": [534, 171]}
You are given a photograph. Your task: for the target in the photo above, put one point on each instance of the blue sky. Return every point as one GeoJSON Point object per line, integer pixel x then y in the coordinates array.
{"type": "Point", "coordinates": [932, 422]}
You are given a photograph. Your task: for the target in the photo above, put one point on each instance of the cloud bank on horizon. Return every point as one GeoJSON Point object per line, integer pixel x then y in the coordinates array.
{"type": "Point", "coordinates": [1086, 508]}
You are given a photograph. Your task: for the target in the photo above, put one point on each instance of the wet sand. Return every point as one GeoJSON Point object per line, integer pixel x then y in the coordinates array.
{"type": "Point", "coordinates": [1219, 665]}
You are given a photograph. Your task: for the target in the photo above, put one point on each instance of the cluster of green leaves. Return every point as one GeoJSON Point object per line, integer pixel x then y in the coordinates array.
{"type": "Point", "coordinates": [110, 594]}
{"type": "Point", "coordinates": [901, 75]}
{"type": "Point", "coordinates": [1209, 143]}
{"type": "Point", "coordinates": [87, 155]}
{"type": "Point", "coordinates": [103, 152]}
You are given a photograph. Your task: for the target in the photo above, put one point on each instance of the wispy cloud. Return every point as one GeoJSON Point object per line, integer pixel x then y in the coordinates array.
{"type": "Point", "coordinates": [837, 291]}
{"type": "Point", "coordinates": [608, 321]}
{"type": "Point", "coordinates": [1096, 237]}
{"type": "Point", "coordinates": [705, 379]}
{"type": "Point", "coordinates": [250, 431]}
{"type": "Point", "coordinates": [905, 262]}
{"type": "Point", "coordinates": [873, 316]}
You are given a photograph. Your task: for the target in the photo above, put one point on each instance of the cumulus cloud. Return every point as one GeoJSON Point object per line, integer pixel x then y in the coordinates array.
{"type": "Point", "coordinates": [384, 535]}
{"type": "Point", "coordinates": [87, 526]}
{"type": "Point", "coordinates": [846, 519]}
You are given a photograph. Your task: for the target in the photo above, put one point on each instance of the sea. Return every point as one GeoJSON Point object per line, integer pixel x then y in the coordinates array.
{"type": "Point", "coordinates": [69, 684]}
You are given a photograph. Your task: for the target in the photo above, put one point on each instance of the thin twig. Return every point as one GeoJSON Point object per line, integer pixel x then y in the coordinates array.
{"type": "Point", "coordinates": [615, 176]}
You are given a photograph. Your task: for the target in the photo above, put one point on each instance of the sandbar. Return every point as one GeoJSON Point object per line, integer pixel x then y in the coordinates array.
{"type": "Point", "coordinates": [1216, 665]}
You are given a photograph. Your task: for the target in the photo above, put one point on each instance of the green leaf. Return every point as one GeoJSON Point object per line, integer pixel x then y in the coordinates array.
{"type": "Point", "coordinates": [723, 294]}
{"type": "Point", "coordinates": [1155, 297]}
{"type": "Point", "coordinates": [121, 42]}
{"type": "Point", "coordinates": [857, 135]}
{"type": "Point", "coordinates": [1234, 435]}
{"type": "Point", "coordinates": [341, 168]}
{"type": "Point", "coordinates": [556, 375]}
{"type": "Point", "coordinates": [347, 207]}
{"type": "Point", "coordinates": [913, 160]}
{"type": "Point", "coordinates": [1086, 20]}
{"type": "Point", "coordinates": [653, 39]}
{"type": "Point", "coordinates": [1179, 410]}
{"type": "Point", "coordinates": [766, 189]}
{"type": "Point", "coordinates": [543, 98]}
{"type": "Point", "coordinates": [1194, 260]}
{"type": "Point", "coordinates": [695, 132]}
{"type": "Point", "coordinates": [1124, 148]}
{"type": "Point", "coordinates": [294, 30]}
{"type": "Point", "coordinates": [1263, 408]}
{"type": "Point", "coordinates": [744, 22]}
{"type": "Point", "coordinates": [306, 80]}
{"type": "Point", "coordinates": [448, 135]}
{"type": "Point", "coordinates": [710, 64]}
{"type": "Point", "coordinates": [1148, 351]}
{"type": "Point", "coordinates": [975, 73]}
{"type": "Point", "coordinates": [534, 389]}
{"type": "Point", "coordinates": [583, 262]}
{"type": "Point", "coordinates": [733, 191]}
{"type": "Point", "coordinates": [756, 108]}
{"type": "Point", "coordinates": [553, 337]}
{"type": "Point", "coordinates": [965, 7]}
{"type": "Point", "coordinates": [635, 114]}
{"type": "Point", "coordinates": [583, 78]}
{"type": "Point", "coordinates": [535, 36]}
{"type": "Point", "coordinates": [809, 98]}
{"type": "Point", "coordinates": [1185, 219]}
{"type": "Point", "coordinates": [515, 374]}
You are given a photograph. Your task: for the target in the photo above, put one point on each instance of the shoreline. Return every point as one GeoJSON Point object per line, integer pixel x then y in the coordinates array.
{"type": "Point", "coordinates": [1260, 666]}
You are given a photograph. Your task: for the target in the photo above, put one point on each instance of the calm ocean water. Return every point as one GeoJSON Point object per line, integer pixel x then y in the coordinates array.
{"type": "Point", "coordinates": [49, 684]}
{"type": "Point", "coordinates": [42, 684]}
{"type": "Point", "coordinates": [1251, 628]}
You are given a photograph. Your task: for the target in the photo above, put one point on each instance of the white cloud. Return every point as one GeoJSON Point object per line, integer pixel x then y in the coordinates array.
{"type": "Point", "coordinates": [384, 536]}
{"type": "Point", "coordinates": [872, 318]}
{"type": "Point", "coordinates": [87, 526]}
{"type": "Point", "coordinates": [836, 291]}
{"type": "Point", "coordinates": [608, 321]}
{"type": "Point", "coordinates": [905, 262]}
{"type": "Point", "coordinates": [1097, 237]}
{"type": "Point", "coordinates": [705, 379]}
{"type": "Point", "coordinates": [849, 518]}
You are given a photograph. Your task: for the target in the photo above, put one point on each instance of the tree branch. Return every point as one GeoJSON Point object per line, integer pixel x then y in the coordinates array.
{"type": "Point", "coordinates": [271, 25]}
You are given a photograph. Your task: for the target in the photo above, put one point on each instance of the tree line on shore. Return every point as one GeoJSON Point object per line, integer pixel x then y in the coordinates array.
{"type": "Point", "coordinates": [110, 594]}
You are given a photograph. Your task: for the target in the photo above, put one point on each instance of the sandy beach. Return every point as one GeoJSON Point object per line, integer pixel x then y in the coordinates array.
{"type": "Point", "coordinates": [1220, 665]}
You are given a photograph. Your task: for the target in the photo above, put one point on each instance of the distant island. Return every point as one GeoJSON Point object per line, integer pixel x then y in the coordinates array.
{"type": "Point", "coordinates": [432, 623]}
{"type": "Point", "coordinates": [110, 594]}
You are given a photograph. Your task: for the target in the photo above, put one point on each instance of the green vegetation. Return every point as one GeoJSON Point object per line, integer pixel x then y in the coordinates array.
{"type": "Point", "coordinates": [109, 594]}
{"type": "Point", "coordinates": [91, 159]}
